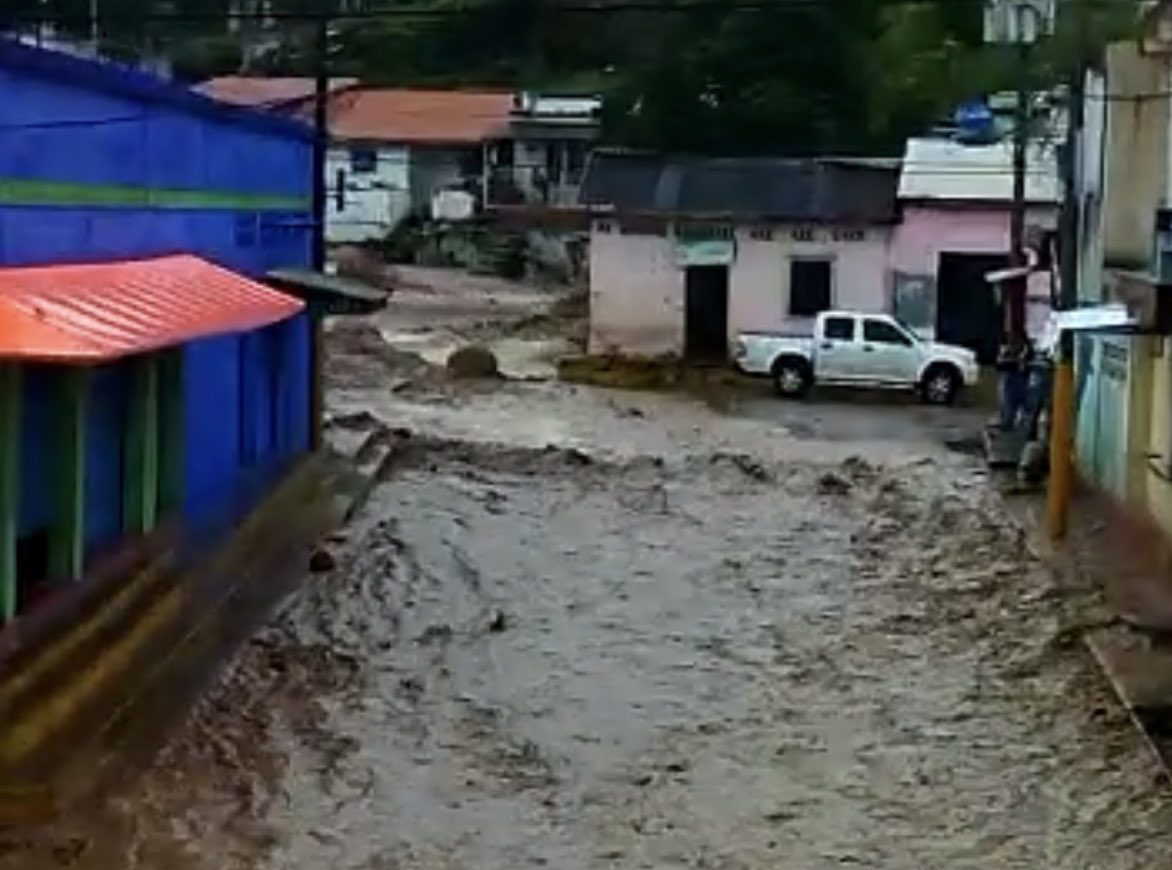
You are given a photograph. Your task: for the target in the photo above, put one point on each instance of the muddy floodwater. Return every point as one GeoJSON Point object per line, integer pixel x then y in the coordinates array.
{"type": "Point", "coordinates": [582, 629]}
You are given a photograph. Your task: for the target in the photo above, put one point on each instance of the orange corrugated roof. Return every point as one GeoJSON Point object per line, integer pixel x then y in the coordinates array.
{"type": "Point", "coordinates": [95, 313]}
{"type": "Point", "coordinates": [259, 91]}
{"type": "Point", "coordinates": [436, 117]}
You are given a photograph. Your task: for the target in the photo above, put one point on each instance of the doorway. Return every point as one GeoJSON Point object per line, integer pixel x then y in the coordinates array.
{"type": "Point", "coordinates": [706, 313]}
{"type": "Point", "coordinates": [967, 310]}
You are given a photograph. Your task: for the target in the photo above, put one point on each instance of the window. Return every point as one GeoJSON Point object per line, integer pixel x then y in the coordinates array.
{"type": "Point", "coordinates": [340, 191]}
{"type": "Point", "coordinates": [363, 161]}
{"type": "Point", "coordinates": [840, 328]}
{"type": "Point", "coordinates": [575, 158]}
{"type": "Point", "coordinates": [504, 153]}
{"type": "Point", "coordinates": [882, 332]}
{"type": "Point", "coordinates": [809, 287]}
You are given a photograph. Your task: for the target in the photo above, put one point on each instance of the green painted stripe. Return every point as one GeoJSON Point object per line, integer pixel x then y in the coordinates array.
{"type": "Point", "coordinates": [172, 431]}
{"type": "Point", "coordinates": [16, 191]}
{"type": "Point", "coordinates": [141, 466]}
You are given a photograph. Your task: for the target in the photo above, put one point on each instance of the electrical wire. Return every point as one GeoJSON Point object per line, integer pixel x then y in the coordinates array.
{"type": "Point", "coordinates": [406, 10]}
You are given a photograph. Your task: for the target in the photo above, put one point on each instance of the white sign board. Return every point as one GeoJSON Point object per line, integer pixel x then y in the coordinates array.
{"type": "Point", "coordinates": [705, 252]}
{"type": "Point", "coordinates": [1098, 317]}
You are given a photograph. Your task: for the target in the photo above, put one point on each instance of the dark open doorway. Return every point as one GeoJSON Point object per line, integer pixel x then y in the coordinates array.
{"type": "Point", "coordinates": [706, 316]}
{"type": "Point", "coordinates": [967, 311]}
{"type": "Point", "coordinates": [32, 569]}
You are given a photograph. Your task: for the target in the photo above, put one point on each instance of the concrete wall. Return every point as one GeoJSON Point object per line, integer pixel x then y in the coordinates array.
{"type": "Point", "coordinates": [1137, 144]}
{"type": "Point", "coordinates": [369, 205]}
{"type": "Point", "coordinates": [759, 291]}
{"type": "Point", "coordinates": [637, 288]}
{"type": "Point", "coordinates": [636, 294]}
{"type": "Point", "coordinates": [433, 167]}
{"type": "Point", "coordinates": [1158, 486]}
{"type": "Point", "coordinates": [927, 231]}
{"type": "Point", "coordinates": [1091, 166]}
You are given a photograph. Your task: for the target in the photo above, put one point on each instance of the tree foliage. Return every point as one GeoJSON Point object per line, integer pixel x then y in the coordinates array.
{"type": "Point", "coordinates": [785, 77]}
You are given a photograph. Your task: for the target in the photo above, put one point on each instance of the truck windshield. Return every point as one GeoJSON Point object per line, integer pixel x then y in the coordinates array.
{"type": "Point", "coordinates": [911, 333]}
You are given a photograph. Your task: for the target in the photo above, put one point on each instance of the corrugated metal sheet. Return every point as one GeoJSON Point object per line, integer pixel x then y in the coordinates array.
{"type": "Point", "coordinates": [766, 188]}
{"type": "Point", "coordinates": [266, 92]}
{"type": "Point", "coordinates": [420, 117]}
{"type": "Point", "coordinates": [93, 313]}
{"type": "Point", "coordinates": [943, 169]}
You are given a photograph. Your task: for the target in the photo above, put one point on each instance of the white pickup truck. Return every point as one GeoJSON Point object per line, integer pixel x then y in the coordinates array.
{"type": "Point", "coordinates": [852, 349]}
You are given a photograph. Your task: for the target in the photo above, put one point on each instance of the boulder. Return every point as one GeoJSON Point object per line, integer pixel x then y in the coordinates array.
{"type": "Point", "coordinates": [473, 361]}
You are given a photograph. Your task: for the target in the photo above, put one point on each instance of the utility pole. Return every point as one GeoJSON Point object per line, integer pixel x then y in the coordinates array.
{"type": "Point", "coordinates": [95, 27]}
{"type": "Point", "coordinates": [321, 133]}
{"type": "Point", "coordinates": [1017, 287]}
{"type": "Point", "coordinates": [321, 144]}
{"type": "Point", "coordinates": [1019, 22]}
{"type": "Point", "coordinates": [1061, 483]}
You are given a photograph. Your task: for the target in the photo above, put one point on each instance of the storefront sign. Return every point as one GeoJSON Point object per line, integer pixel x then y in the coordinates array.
{"type": "Point", "coordinates": [705, 252]}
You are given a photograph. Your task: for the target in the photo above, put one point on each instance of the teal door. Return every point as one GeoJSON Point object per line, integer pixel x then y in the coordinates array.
{"type": "Point", "coordinates": [1102, 366]}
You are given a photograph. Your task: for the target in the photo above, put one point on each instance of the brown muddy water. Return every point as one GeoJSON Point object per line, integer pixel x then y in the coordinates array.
{"type": "Point", "coordinates": [584, 629]}
{"type": "Point", "coordinates": [530, 658]}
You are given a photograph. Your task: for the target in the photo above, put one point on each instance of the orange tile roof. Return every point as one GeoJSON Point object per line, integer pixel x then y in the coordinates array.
{"type": "Point", "coordinates": [89, 314]}
{"type": "Point", "coordinates": [432, 117]}
{"type": "Point", "coordinates": [260, 91]}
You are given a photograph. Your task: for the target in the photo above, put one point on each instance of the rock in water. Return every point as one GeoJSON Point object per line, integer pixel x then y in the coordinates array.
{"type": "Point", "coordinates": [833, 484]}
{"type": "Point", "coordinates": [322, 561]}
{"type": "Point", "coordinates": [473, 361]}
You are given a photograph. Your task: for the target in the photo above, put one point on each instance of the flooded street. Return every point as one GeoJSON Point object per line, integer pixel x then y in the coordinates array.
{"type": "Point", "coordinates": [579, 628]}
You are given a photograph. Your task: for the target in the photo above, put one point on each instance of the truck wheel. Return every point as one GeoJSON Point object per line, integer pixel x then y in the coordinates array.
{"type": "Point", "coordinates": [940, 385]}
{"type": "Point", "coordinates": [791, 378]}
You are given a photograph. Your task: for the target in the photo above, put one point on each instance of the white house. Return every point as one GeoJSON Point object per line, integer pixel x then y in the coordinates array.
{"type": "Point", "coordinates": [543, 161]}
{"type": "Point", "coordinates": [394, 150]}
{"type": "Point", "coordinates": [685, 253]}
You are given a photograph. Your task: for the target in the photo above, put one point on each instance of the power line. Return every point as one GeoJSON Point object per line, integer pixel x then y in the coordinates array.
{"type": "Point", "coordinates": [416, 11]}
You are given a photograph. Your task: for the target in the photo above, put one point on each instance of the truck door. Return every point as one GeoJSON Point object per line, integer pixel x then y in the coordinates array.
{"type": "Point", "coordinates": [836, 349]}
{"type": "Point", "coordinates": [889, 354]}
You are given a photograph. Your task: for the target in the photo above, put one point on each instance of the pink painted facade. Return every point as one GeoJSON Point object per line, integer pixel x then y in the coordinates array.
{"type": "Point", "coordinates": [926, 231]}
{"type": "Point", "coordinates": [636, 294]}
{"type": "Point", "coordinates": [637, 304]}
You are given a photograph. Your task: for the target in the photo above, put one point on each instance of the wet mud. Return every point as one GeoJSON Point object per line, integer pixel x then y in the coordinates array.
{"type": "Point", "coordinates": [538, 658]}
{"type": "Point", "coordinates": [580, 629]}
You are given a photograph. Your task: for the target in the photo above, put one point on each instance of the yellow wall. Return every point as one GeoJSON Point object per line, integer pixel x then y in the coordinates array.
{"type": "Point", "coordinates": [1158, 490]}
{"type": "Point", "coordinates": [1136, 168]}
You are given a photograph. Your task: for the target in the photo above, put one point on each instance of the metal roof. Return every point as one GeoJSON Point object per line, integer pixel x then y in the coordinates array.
{"type": "Point", "coordinates": [133, 84]}
{"type": "Point", "coordinates": [420, 116]}
{"type": "Point", "coordinates": [944, 169]}
{"type": "Point", "coordinates": [335, 293]}
{"type": "Point", "coordinates": [87, 314]}
{"type": "Point", "coordinates": [267, 91]}
{"type": "Point", "coordinates": [766, 188]}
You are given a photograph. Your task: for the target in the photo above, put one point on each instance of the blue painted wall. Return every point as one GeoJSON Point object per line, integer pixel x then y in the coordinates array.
{"type": "Point", "coordinates": [64, 121]}
{"type": "Point", "coordinates": [108, 390]}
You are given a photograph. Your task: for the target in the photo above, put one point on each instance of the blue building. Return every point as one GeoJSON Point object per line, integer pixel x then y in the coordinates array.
{"type": "Point", "coordinates": [146, 371]}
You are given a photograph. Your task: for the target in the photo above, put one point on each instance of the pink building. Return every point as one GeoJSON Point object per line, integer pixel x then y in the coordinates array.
{"type": "Point", "coordinates": [955, 201]}
{"type": "Point", "coordinates": [685, 253]}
